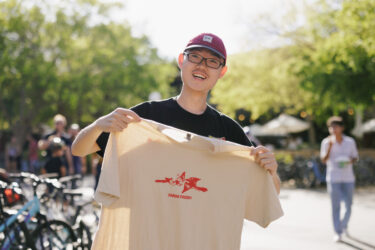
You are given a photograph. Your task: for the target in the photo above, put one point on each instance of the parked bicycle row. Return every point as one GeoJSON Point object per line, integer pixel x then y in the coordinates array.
{"type": "Point", "coordinates": [304, 172]}
{"type": "Point", "coordinates": [46, 212]}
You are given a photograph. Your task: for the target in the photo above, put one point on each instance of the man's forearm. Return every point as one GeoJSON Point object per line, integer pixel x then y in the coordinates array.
{"type": "Point", "coordinates": [325, 158]}
{"type": "Point", "coordinates": [85, 142]}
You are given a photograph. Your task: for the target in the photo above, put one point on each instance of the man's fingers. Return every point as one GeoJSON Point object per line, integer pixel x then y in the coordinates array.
{"type": "Point", "coordinates": [258, 150]}
{"type": "Point", "coordinates": [265, 158]}
{"type": "Point", "coordinates": [116, 127]}
{"type": "Point", "coordinates": [121, 119]}
{"type": "Point", "coordinates": [129, 114]}
{"type": "Point", "coordinates": [265, 155]}
{"type": "Point", "coordinates": [270, 167]}
{"type": "Point", "coordinates": [265, 161]}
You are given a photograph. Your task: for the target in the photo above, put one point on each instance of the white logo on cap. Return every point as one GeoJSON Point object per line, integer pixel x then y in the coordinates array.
{"type": "Point", "coordinates": [207, 38]}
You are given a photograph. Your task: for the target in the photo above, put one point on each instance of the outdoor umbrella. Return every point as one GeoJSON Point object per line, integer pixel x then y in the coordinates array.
{"type": "Point", "coordinates": [284, 124]}
{"type": "Point", "coordinates": [369, 126]}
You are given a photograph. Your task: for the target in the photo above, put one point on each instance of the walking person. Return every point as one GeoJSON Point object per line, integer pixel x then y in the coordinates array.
{"type": "Point", "coordinates": [339, 152]}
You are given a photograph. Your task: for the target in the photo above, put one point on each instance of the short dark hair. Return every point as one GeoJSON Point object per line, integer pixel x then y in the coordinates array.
{"type": "Point", "coordinates": [335, 120]}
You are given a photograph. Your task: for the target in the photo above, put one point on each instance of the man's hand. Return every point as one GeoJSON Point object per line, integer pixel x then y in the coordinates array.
{"type": "Point", "coordinates": [117, 120]}
{"type": "Point", "coordinates": [266, 159]}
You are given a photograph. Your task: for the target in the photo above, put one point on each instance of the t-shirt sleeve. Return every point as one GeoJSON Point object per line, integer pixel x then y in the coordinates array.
{"type": "Point", "coordinates": [108, 189]}
{"type": "Point", "coordinates": [262, 202]}
{"type": "Point", "coordinates": [102, 143]}
{"type": "Point", "coordinates": [323, 149]}
{"type": "Point", "coordinates": [236, 133]}
{"type": "Point", "coordinates": [143, 110]}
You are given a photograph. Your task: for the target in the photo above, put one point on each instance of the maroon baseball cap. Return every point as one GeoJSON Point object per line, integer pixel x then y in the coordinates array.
{"type": "Point", "coordinates": [208, 41]}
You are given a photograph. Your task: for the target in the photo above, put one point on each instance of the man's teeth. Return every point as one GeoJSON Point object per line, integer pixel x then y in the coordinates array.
{"type": "Point", "coordinates": [199, 76]}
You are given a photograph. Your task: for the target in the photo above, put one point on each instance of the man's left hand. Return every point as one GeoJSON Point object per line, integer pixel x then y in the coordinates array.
{"type": "Point", "coordinates": [265, 158]}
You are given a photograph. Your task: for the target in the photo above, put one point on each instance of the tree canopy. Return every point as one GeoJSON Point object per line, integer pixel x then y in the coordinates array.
{"type": "Point", "coordinates": [327, 66]}
{"type": "Point", "coordinates": [57, 60]}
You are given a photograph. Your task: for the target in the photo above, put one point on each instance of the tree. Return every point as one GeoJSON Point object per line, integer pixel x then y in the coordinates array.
{"type": "Point", "coordinates": [326, 65]}
{"type": "Point", "coordinates": [340, 64]}
{"type": "Point", "coordinates": [54, 60]}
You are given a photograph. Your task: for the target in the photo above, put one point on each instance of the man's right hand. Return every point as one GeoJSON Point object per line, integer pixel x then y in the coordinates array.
{"type": "Point", "coordinates": [117, 120]}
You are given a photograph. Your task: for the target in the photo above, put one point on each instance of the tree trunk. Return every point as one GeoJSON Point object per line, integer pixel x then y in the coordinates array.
{"type": "Point", "coordinates": [312, 133]}
{"type": "Point", "coordinates": [357, 131]}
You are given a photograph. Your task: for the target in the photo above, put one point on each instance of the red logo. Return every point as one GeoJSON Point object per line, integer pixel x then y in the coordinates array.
{"type": "Point", "coordinates": [189, 183]}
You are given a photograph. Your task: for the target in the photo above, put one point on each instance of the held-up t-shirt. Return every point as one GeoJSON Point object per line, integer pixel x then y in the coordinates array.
{"type": "Point", "coordinates": [211, 123]}
{"type": "Point", "coordinates": [165, 189]}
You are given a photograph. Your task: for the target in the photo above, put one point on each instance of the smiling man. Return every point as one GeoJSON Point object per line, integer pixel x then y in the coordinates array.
{"type": "Point", "coordinates": [202, 64]}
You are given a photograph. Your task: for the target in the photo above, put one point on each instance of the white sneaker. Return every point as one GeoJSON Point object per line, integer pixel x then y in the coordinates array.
{"type": "Point", "coordinates": [337, 238]}
{"type": "Point", "coordinates": [345, 232]}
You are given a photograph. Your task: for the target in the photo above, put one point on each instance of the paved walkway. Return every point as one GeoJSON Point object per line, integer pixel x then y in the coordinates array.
{"type": "Point", "coordinates": [307, 223]}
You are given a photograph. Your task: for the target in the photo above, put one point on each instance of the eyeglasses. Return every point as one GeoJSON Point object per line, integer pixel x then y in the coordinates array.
{"type": "Point", "coordinates": [197, 59]}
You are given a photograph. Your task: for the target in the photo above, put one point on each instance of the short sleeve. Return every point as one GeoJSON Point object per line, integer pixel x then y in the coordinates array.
{"type": "Point", "coordinates": [262, 203]}
{"type": "Point", "coordinates": [108, 189]}
{"type": "Point", "coordinates": [235, 132]}
{"type": "Point", "coordinates": [323, 149]}
{"type": "Point", "coordinates": [102, 143]}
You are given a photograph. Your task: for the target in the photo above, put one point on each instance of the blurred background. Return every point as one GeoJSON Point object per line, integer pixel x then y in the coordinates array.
{"type": "Point", "coordinates": [292, 64]}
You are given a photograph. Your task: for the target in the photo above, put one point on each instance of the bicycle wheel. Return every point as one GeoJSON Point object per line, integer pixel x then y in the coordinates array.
{"type": "Point", "coordinates": [84, 236]}
{"type": "Point", "coordinates": [54, 235]}
{"type": "Point", "coordinates": [15, 237]}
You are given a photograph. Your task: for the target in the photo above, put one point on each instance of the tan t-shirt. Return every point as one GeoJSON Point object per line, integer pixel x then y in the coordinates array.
{"type": "Point", "coordinates": [166, 189]}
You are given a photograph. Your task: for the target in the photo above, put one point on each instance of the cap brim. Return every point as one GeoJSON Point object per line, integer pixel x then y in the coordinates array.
{"type": "Point", "coordinates": [205, 47]}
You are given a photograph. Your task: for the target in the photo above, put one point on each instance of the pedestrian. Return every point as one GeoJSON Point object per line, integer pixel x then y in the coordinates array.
{"type": "Point", "coordinates": [33, 151]}
{"type": "Point", "coordinates": [13, 154]}
{"type": "Point", "coordinates": [202, 64]}
{"type": "Point", "coordinates": [339, 152]}
{"type": "Point", "coordinates": [79, 163]}
{"type": "Point", "coordinates": [59, 132]}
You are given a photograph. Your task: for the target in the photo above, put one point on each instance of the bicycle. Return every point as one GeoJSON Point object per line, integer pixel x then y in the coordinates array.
{"type": "Point", "coordinates": [60, 203]}
{"type": "Point", "coordinates": [27, 228]}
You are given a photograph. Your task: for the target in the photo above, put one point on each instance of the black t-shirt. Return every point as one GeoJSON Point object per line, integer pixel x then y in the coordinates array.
{"type": "Point", "coordinates": [54, 164]}
{"type": "Point", "coordinates": [211, 123]}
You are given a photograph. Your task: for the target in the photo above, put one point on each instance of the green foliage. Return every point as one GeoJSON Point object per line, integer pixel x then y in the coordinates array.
{"type": "Point", "coordinates": [340, 65]}
{"type": "Point", "coordinates": [58, 62]}
{"type": "Point", "coordinates": [329, 66]}
{"type": "Point", "coordinates": [259, 81]}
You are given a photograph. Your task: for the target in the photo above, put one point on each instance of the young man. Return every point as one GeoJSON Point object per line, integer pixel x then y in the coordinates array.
{"type": "Point", "coordinates": [202, 64]}
{"type": "Point", "coordinates": [339, 152]}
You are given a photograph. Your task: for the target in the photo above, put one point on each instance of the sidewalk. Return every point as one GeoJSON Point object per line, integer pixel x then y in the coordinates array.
{"type": "Point", "coordinates": [307, 223]}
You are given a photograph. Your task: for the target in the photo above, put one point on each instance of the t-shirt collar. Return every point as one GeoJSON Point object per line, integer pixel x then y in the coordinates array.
{"type": "Point", "coordinates": [193, 140]}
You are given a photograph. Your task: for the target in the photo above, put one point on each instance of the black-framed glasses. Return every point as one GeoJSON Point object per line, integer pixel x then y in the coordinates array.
{"type": "Point", "coordinates": [197, 59]}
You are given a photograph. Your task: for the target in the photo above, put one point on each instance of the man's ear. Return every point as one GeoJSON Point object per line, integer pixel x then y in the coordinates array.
{"type": "Point", "coordinates": [223, 71]}
{"type": "Point", "coordinates": [180, 60]}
